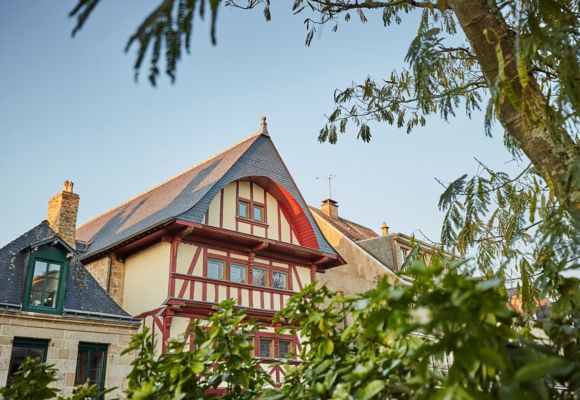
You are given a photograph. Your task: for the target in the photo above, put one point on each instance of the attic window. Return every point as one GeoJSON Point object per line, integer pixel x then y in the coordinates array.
{"type": "Point", "coordinates": [45, 280]}
{"type": "Point", "coordinates": [243, 209]}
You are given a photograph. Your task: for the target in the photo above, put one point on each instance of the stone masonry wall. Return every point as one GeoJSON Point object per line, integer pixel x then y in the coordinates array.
{"type": "Point", "coordinates": [62, 215]}
{"type": "Point", "coordinates": [64, 335]}
{"type": "Point", "coordinates": [113, 284]}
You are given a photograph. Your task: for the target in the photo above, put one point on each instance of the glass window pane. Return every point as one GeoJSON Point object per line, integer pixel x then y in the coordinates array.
{"type": "Point", "coordinates": [21, 350]}
{"type": "Point", "coordinates": [215, 269]}
{"type": "Point", "coordinates": [265, 347]}
{"type": "Point", "coordinates": [36, 298]}
{"type": "Point", "coordinates": [284, 348]}
{"type": "Point", "coordinates": [279, 279]}
{"type": "Point", "coordinates": [39, 268]}
{"type": "Point", "coordinates": [243, 209]}
{"type": "Point", "coordinates": [90, 365]}
{"type": "Point", "coordinates": [259, 276]}
{"type": "Point", "coordinates": [238, 273]}
{"type": "Point", "coordinates": [258, 213]}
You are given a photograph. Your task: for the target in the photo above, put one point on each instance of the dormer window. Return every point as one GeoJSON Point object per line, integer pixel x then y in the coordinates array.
{"type": "Point", "coordinates": [45, 280]}
{"type": "Point", "coordinates": [44, 289]}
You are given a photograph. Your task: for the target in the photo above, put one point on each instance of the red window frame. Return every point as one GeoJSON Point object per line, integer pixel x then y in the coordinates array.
{"type": "Point", "coordinates": [251, 203]}
{"type": "Point", "coordinates": [275, 345]}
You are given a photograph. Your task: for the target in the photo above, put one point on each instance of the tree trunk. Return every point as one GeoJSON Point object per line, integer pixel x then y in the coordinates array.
{"type": "Point", "coordinates": [548, 145]}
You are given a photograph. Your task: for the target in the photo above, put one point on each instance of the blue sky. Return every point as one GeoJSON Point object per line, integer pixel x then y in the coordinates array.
{"type": "Point", "coordinates": [70, 109]}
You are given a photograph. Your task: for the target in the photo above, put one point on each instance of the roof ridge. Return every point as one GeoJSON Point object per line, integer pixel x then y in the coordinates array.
{"type": "Point", "coordinates": [169, 179]}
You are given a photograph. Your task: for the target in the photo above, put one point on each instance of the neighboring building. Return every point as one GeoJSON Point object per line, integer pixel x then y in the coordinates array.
{"type": "Point", "coordinates": [234, 226]}
{"type": "Point", "coordinates": [368, 256]}
{"type": "Point", "coordinates": [52, 308]}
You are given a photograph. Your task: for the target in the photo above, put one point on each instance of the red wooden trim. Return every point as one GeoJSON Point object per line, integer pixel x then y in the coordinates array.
{"type": "Point", "coordinates": [172, 265]}
{"type": "Point", "coordinates": [295, 269]}
{"type": "Point", "coordinates": [312, 272]}
{"type": "Point", "coordinates": [237, 205]}
{"type": "Point", "coordinates": [252, 205]}
{"type": "Point", "coordinates": [261, 299]}
{"type": "Point", "coordinates": [251, 222]}
{"type": "Point", "coordinates": [193, 263]}
{"type": "Point", "coordinates": [222, 208]}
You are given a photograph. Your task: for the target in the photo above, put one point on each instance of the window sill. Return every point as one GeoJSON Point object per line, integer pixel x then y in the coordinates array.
{"type": "Point", "coordinates": [252, 222]}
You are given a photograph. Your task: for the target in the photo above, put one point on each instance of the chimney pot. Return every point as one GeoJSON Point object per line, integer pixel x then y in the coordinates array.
{"type": "Point", "coordinates": [330, 208]}
{"type": "Point", "coordinates": [384, 229]}
{"type": "Point", "coordinates": [62, 213]}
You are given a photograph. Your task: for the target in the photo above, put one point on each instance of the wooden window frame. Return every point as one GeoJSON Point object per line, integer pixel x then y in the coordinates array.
{"type": "Point", "coordinates": [27, 343]}
{"type": "Point", "coordinates": [52, 255]}
{"type": "Point", "coordinates": [275, 345]}
{"type": "Point", "coordinates": [280, 272]}
{"type": "Point", "coordinates": [267, 276]}
{"type": "Point", "coordinates": [251, 204]}
{"type": "Point", "coordinates": [223, 270]}
{"type": "Point", "coordinates": [93, 348]}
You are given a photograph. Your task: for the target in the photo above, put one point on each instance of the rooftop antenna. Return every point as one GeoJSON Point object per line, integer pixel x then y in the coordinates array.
{"type": "Point", "coordinates": [330, 178]}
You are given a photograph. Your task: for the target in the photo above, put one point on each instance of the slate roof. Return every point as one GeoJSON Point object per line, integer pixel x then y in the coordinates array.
{"type": "Point", "coordinates": [83, 296]}
{"type": "Point", "coordinates": [350, 229]}
{"type": "Point", "coordinates": [187, 196]}
{"type": "Point", "coordinates": [380, 247]}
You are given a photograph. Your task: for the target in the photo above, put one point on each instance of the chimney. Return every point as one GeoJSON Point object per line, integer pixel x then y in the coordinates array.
{"type": "Point", "coordinates": [330, 208]}
{"type": "Point", "coordinates": [384, 229]}
{"type": "Point", "coordinates": [62, 213]}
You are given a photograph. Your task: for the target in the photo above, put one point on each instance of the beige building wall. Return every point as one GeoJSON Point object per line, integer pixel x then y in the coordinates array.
{"type": "Point", "coordinates": [276, 225]}
{"type": "Point", "coordinates": [64, 335]}
{"type": "Point", "coordinates": [361, 272]}
{"type": "Point", "coordinates": [146, 278]}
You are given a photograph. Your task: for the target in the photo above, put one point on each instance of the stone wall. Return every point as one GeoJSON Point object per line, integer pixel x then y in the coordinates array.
{"type": "Point", "coordinates": [110, 273]}
{"type": "Point", "coordinates": [64, 335]}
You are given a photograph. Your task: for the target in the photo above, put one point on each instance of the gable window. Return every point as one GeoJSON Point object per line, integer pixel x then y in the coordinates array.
{"type": "Point", "coordinates": [243, 209]}
{"type": "Point", "coordinates": [238, 273]}
{"type": "Point", "coordinates": [91, 364]}
{"type": "Point", "coordinates": [215, 269]}
{"type": "Point", "coordinates": [279, 280]}
{"type": "Point", "coordinates": [260, 276]}
{"type": "Point", "coordinates": [23, 348]}
{"type": "Point", "coordinates": [258, 213]}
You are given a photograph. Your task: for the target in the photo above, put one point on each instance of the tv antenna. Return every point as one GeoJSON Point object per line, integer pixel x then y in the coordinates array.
{"type": "Point", "coordinates": [330, 178]}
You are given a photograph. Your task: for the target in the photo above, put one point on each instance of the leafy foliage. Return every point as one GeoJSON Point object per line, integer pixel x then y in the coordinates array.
{"type": "Point", "coordinates": [32, 380]}
{"type": "Point", "coordinates": [221, 358]}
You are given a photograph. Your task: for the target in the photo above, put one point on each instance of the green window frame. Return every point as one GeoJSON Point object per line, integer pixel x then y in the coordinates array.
{"type": "Point", "coordinates": [23, 348]}
{"type": "Point", "coordinates": [38, 287]}
{"type": "Point", "coordinates": [91, 364]}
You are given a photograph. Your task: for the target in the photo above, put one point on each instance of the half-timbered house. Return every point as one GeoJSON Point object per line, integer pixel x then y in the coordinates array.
{"type": "Point", "coordinates": [234, 226]}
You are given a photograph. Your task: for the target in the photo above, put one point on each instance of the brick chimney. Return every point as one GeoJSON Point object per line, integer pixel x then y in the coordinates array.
{"type": "Point", "coordinates": [384, 229]}
{"type": "Point", "coordinates": [330, 208]}
{"type": "Point", "coordinates": [62, 213]}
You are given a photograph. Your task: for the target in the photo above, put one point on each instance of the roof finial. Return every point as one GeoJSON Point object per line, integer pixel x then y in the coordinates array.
{"type": "Point", "coordinates": [264, 127]}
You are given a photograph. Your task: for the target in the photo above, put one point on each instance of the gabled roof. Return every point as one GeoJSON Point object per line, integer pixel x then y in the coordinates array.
{"type": "Point", "coordinates": [350, 229]}
{"type": "Point", "coordinates": [83, 295]}
{"type": "Point", "coordinates": [187, 196]}
{"type": "Point", "coordinates": [381, 248]}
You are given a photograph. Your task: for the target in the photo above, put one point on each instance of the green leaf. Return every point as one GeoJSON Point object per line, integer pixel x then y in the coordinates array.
{"type": "Point", "coordinates": [197, 367]}
{"type": "Point", "coordinates": [540, 368]}
{"type": "Point", "coordinates": [370, 390]}
{"type": "Point", "coordinates": [328, 346]}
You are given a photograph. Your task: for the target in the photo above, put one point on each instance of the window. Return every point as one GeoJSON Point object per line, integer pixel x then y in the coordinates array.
{"type": "Point", "coordinates": [284, 348]}
{"type": "Point", "coordinates": [23, 348]}
{"type": "Point", "coordinates": [260, 276]}
{"type": "Point", "coordinates": [238, 273]}
{"type": "Point", "coordinates": [265, 349]}
{"type": "Point", "coordinates": [91, 364]}
{"type": "Point", "coordinates": [45, 279]}
{"type": "Point", "coordinates": [215, 269]}
{"type": "Point", "coordinates": [279, 279]}
{"type": "Point", "coordinates": [258, 213]}
{"type": "Point", "coordinates": [243, 209]}
{"type": "Point", "coordinates": [44, 285]}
